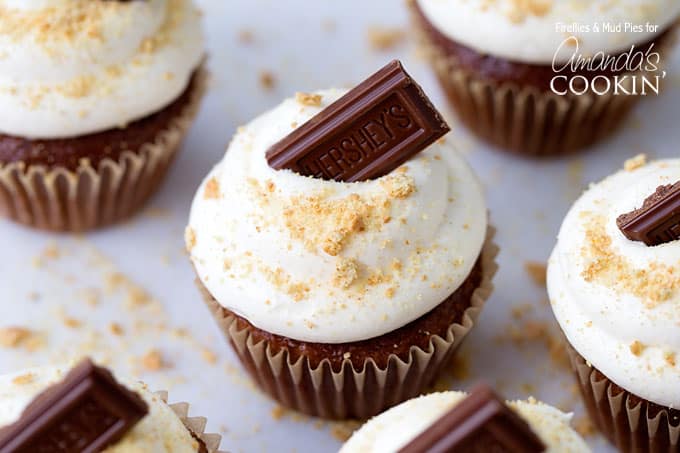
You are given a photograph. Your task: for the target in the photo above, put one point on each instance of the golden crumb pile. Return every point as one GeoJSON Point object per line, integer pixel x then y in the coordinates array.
{"type": "Point", "coordinates": [282, 280]}
{"type": "Point", "coordinates": [312, 100]}
{"type": "Point", "coordinates": [655, 284]}
{"type": "Point", "coordinates": [329, 224]}
{"type": "Point", "coordinates": [20, 337]}
{"type": "Point", "coordinates": [635, 162]}
{"type": "Point", "coordinates": [153, 360]}
{"type": "Point", "coordinates": [636, 348]}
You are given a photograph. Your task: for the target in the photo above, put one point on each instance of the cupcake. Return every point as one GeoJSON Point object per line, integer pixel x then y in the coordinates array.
{"type": "Point", "coordinates": [545, 77]}
{"type": "Point", "coordinates": [340, 299]}
{"type": "Point", "coordinates": [87, 409]}
{"type": "Point", "coordinates": [97, 96]}
{"type": "Point", "coordinates": [396, 429]}
{"type": "Point", "coordinates": [617, 299]}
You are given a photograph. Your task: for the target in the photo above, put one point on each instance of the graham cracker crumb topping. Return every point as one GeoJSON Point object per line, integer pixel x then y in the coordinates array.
{"type": "Point", "coordinates": [636, 348]}
{"type": "Point", "coordinates": [655, 284]}
{"type": "Point", "coordinates": [212, 189]}
{"type": "Point", "coordinates": [635, 162]}
{"type": "Point", "coordinates": [312, 100]}
{"type": "Point", "coordinates": [346, 272]}
{"type": "Point", "coordinates": [520, 10]}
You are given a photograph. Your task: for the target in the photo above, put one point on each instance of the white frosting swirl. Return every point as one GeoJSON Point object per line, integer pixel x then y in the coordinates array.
{"type": "Point", "coordinates": [529, 31]}
{"type": "Point", "coordinates": [159, 431]}
{"type": "Point", "coordinates": [618, 301]}
{"type": "Point", "coordinates": [395, 428]}
{"type": "Point", "coordinates": [74, 67]}
{"type": "Point", "coordinates": [331, 262]}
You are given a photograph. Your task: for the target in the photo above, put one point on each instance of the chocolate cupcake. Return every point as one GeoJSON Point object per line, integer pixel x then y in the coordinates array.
{"type": "Point", "coordinates": [397, 429]}
{"type": "Point", "coordinates": [96, 97]}
{"type": "Point", "coordinates": [88, 409]}
{"type": "Point", "coordinates": [542, 78]}
{"type": "Point", "coordinates": [341, 299]}
{"type": "Point", "coordinates": [614, 284]}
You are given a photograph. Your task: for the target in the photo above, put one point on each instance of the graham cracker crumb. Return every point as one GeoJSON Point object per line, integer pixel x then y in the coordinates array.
{"type": "Point", "coordinates": [190, 238]}
{"type": "Point", "coordinates": [267, 80]}
{"type": "Point", "coordinates": [636, 348]}
{"type": "Point", "coordinates": [537, 272]}
{"type": "Point", "coordinates": [519, 10]}
{"type": "Point", "coordinates": [655, 284]}
{"type": "Point", "coordinates": [208, 356]}
{"type": "Point", "coordinates": [312, 100]}
{"type": "Point", "coordinates": [635, 162]}
{"type": "Point", "coordinates": [212, 189]}
{"type": "Point", "coordinates": [23, 379]}
{"type": "Point", "coordinates": [669, 357]}
{"type": "Point", "coordinates": [72, 323]}
{"type": "Point", "coordinates": [153, 360]}
{"type": "Point", "coordinates": [389, 292]}
{"type": "Point", "coordinates": [346, 272]}
{"type": "Point", "coordinates": [278, 412]}
{"type": "Point", "coordinates": [385, 38]}
{"type": "Point", "coordinates": [342, 431]}
{"type": "Point", "coordinates": [116, 329]}
{"type": "Point", "coordinates": [13, 337]}
{"type": "Point", "coordinates": [398, 185]}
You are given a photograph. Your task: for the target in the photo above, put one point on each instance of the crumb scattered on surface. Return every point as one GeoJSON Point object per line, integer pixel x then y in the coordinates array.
{"type": "Point", "coordinates": [246, 36]}
{"type": "Point", "coordinates": [385, 38]}
{"type": "Point", "coordinates": [153, 360]}
{"type": "Point", "coordinates": [267, 80]}
{"type": "Point", "coordinates": [14, 337]}
{"type": "Point", "coordinates": [537, 272]}
{"type": "Point", "coordinates": [584, 426]}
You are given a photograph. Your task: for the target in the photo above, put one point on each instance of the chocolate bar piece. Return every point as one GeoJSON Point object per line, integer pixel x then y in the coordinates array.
{"type": "Point", "coordinates": [657, 221]}
{"type": "Point", "coordinates": [85, 412]}
{"type": "Point", "coordinates": [480, 423]}
{"type": "Point", "coordinates": [365, 134]}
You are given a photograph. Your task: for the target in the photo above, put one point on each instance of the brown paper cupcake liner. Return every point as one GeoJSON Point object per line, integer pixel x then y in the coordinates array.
{"type": "Point", "coordinates": [350, 392]}
{"type": "Point", "coordinates": [59, 199]}
{"type": "Point", "coordinates": [196, 425]}
{"type": "Point", "coordinates": [524, 120]}
{"type": "Point", "coordinates": [628, 421]}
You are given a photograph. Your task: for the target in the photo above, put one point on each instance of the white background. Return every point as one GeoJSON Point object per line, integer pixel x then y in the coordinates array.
{"type": "Point", "coordinates": [306, 45]}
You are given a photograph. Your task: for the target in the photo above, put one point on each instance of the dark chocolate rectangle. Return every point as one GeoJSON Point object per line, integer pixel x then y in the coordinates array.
{"type": "Point", "coordinates": [658, 221]}
{"type": "Point", "coordinates": [366, 134]}
{"type": "Point", "coordinates": [86, 412]}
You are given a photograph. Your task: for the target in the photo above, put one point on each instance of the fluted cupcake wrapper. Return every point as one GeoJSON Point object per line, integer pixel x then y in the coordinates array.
{"type": "Point", "coordinates": [525, 120]}
{"type": "Point", "coordinates": [196, 425]}
{"type": "Point", "coordinates": [59, 199]}
{"type": "Point", "coordinates": [629, 422]}
{"type": "Point", "coordinates": [352, 393]}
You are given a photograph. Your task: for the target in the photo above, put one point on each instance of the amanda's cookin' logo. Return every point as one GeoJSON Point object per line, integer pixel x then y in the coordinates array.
{"type": "Point", "coordinates": [634, 72]}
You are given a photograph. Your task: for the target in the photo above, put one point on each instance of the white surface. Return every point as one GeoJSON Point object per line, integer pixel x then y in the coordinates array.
{"type": "Point", "coordinates": [442, 222]}
{"type": "Point", "coordinates": [302, 47]}
{"type": "Point", "coordinates": [602, 317]}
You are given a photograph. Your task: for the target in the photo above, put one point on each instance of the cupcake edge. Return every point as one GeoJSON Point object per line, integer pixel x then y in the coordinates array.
{"type": "Point", "coordinates": [302, 388]}
{"type": "Point", "coordinates": [631, 423]}
{"type": "Point", "coordinates": [59, 199]}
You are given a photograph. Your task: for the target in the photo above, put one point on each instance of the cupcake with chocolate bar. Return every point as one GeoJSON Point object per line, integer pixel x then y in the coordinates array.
{"type": "Point", "coordinates": [95, 99]}
{"type": "Point", "coordinates": [458, 422]}
{"type": "Point", "coordinates": [545, 77]}
{"type": "Point", "coordinates": [344, 298]}
{"type": "Point", "coordinates": [87, 409]}
{"type": "Point", "coordinates": [614, 284]}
